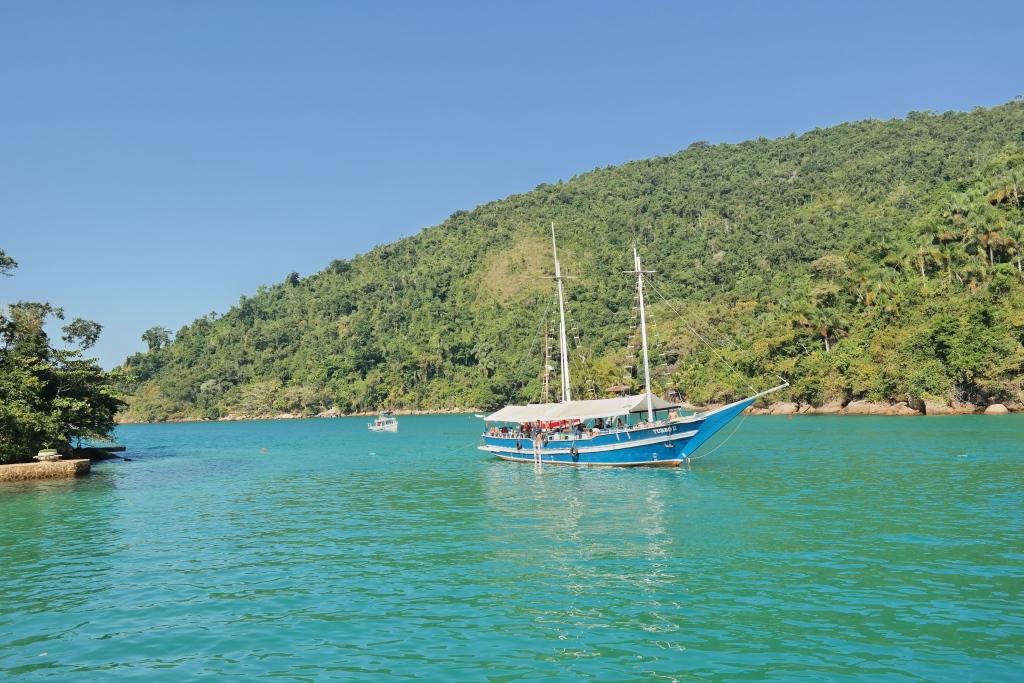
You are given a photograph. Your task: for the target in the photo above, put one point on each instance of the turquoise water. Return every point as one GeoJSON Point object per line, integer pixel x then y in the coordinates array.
{"type": "Point", "coordinates": [803, 549]}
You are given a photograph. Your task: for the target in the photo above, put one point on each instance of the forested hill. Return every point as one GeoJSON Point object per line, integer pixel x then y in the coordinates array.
{"type": "Point", "coordinates": [876, 259]}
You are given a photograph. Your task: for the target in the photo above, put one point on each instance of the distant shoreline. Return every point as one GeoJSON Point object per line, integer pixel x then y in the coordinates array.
{"type": "Point", "coordinates": [854, 408]}
{"type": "Point", "coordinates": [327, 415]}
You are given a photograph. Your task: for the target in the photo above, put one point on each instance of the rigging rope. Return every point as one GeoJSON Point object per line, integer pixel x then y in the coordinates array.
{"type": "Point", "coordinates": [519, 383]}
{"type": "Point", "coordinates": [724, 441]}
{"type": "Point", "coordinates": [657, 290]}
{"type": "Point", "coordinates": [474, 442]}
{"type": "Point", "coordinates": [581, 361]}
{"type": "Point", "coordinates": [732, 343]}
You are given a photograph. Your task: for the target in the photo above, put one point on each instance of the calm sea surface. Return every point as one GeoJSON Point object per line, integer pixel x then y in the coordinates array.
{"type": "Point", "coordinates": [804, 549]}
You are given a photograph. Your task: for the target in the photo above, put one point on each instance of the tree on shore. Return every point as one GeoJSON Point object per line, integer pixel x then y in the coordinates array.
{"type": "Point", "coordinates": [156, 338]}
{"type": "Point", "coordinates": [48, 396]}
{"type": "Point", "coordinates": [7, 264]}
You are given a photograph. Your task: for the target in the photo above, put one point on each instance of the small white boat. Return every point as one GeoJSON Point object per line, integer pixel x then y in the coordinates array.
{"type": "Point", "coordinates": [385, 423]}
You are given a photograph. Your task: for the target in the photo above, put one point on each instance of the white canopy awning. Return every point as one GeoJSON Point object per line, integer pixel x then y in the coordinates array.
{"type": "Point", "coordinates": [579, 410]}
{"type": "Point", "coordinates": [531, 412]}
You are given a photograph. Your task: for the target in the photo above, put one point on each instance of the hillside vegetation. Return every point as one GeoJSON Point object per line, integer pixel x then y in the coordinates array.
{"type": "Point", "coordinates": [877, 260]}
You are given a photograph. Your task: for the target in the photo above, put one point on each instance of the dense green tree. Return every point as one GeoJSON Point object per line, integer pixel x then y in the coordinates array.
{"type": "Point", "coordinates": [156, 338]}
{"type": "Point", "coordinates": [82, 332]}
{"type": "Point", "coordinates": [48, 396]}
{"type": "Point", "coordinates": [7, 264]}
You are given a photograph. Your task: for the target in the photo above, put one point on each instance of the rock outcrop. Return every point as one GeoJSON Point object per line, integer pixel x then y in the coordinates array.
{"type": "Point", "coordinates": [782, 408]}
{"type": "Point", "coordinates": [872, 408]}
{"type": "Point", "coordinates": [828, 408]}
{"type": "Point", "coordinates": [996, 409]}
{"type": "Point", "coordinates": [934, 407]}
{"type": "Point", "coordinates": [333, 411]}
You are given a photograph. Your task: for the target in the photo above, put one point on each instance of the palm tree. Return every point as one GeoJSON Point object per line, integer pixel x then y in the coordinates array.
{"type": "Point", "coordinates": [957, 208]}
{"type": "Point", "coordinates": [1013, 248]}
{"type": "Point", "coordinates": [927, 254]}
{"type": "Point", "coordinates": [947, 243]}
{"type": "Point", "coordinates": [986, 239]}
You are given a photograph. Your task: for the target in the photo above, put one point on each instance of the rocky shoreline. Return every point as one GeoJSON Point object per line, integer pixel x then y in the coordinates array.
{"type": "Point", "coordinates": [329, 413]}
{"type": "Point", "coordinates": [861, 407]}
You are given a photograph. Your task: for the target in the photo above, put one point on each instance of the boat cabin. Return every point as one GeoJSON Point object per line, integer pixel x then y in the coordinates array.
{"type": "Point", "coordinates": [387, 422]}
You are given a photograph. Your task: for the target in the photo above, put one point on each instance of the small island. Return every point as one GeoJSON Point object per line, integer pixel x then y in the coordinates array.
{"type": "Point", "coordinates": [50, 398]}
{"type": "Point", "coordinates": [875, 265]}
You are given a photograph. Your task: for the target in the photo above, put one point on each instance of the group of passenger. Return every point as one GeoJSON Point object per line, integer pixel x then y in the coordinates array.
{"type": "Point", "coordinates": [564, 429]}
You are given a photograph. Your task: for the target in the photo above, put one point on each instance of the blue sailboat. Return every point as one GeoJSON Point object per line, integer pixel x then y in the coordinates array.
{"type": "Point", "coordinates": [641, 430]}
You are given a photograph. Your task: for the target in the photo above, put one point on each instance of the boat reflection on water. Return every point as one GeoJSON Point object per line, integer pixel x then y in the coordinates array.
{"type": "Point", "coordinates": [575, 527]}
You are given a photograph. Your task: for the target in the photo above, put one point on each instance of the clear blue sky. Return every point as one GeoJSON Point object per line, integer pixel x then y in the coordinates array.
{"type": "Point", "coordinates": [157, 160]}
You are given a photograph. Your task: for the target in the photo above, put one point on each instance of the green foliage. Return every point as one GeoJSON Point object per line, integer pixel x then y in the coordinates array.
{"type": "Point", "coordinates": [7, 264]}
{"type": "Point", "coordinates": [48, 396]}
{"type": "Point", "coordinates": [876, 259]}
{"type": "Point", "coordinates": [156, 338]}
{"type": "Point", "coordinates": [83, 332]}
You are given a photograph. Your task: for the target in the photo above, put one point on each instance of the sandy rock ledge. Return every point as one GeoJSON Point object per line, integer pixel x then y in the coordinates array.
{"type": "Point", "coordinates": [56, 469]}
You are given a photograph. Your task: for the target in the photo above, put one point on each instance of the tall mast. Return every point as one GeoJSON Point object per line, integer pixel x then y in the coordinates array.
{"type": "Point", "coordinates": [643, 330]}
{"type": "Point", "coordinates": [564, 347]}
{"type": "Point", "coordinates": [547, 365]}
